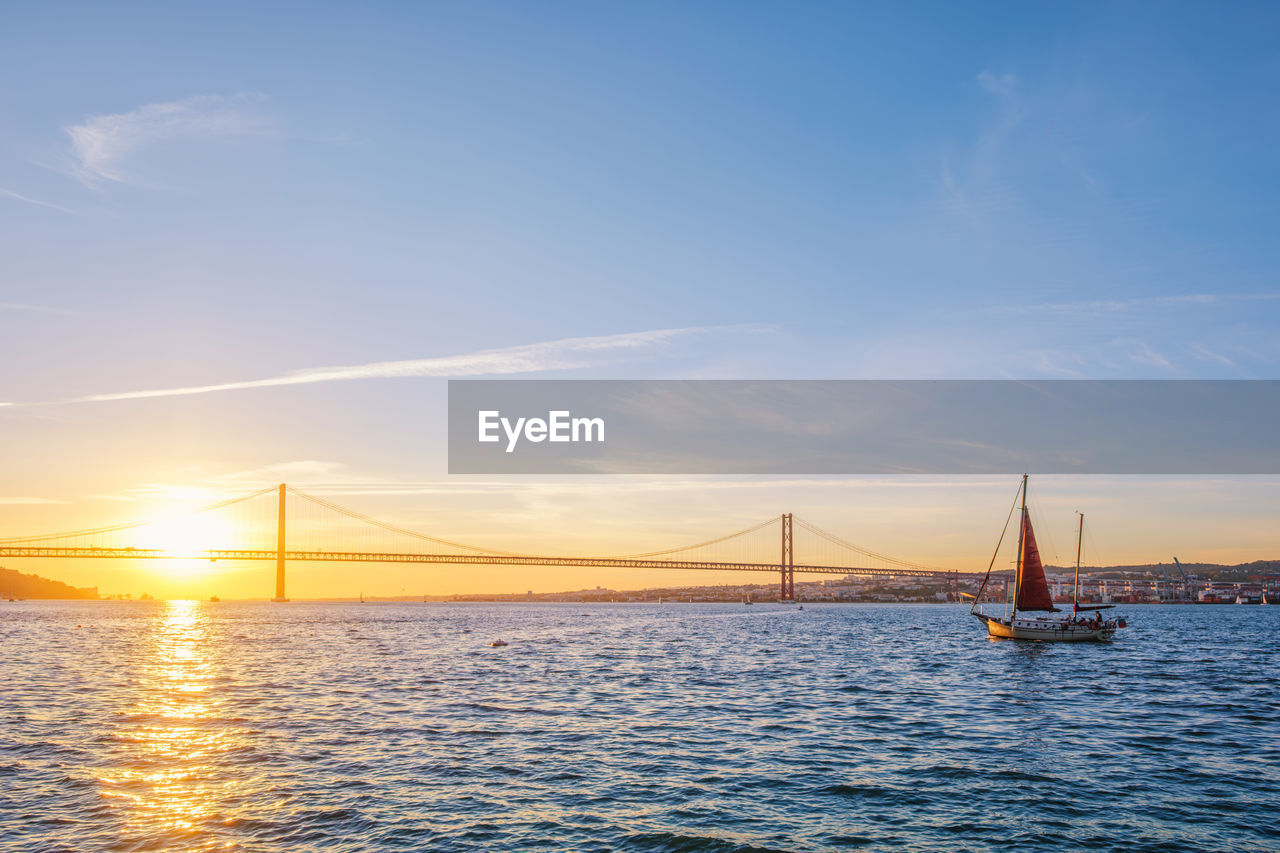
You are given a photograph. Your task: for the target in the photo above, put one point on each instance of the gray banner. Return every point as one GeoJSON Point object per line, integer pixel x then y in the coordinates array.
{"type": "Point", "coordinates": [863, 427]}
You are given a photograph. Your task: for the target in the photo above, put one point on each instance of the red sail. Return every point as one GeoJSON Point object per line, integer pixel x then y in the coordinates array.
{"type": "Point", "coordinates": [1033, 589]}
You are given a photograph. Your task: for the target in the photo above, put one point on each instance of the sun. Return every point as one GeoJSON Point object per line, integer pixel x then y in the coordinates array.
{"type": "Point", "coordinates": [187, 539]}
{"type": "Point", "coordinates": [188, 536]}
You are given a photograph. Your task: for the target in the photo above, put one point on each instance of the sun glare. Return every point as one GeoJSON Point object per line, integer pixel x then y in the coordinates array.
{"type": "Point", "coordinates": [188, 536]}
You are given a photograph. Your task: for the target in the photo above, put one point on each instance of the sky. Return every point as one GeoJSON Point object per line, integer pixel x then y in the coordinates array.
{"type": "Point", "coordinates": [240, 245]}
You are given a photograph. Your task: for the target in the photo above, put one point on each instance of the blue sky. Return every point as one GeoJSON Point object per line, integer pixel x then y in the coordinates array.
{"type": "Point", "coordinates": [1072, 190]}
{"type": "Point", "coordinates": [193, 197]}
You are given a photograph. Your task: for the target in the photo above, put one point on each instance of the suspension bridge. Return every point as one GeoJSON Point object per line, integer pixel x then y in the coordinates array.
{"type": "Point", "coordinates": [282, 524]}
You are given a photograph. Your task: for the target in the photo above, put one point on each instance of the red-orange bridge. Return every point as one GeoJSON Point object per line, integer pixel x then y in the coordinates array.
{"type": "Point", "coordinates": [268, 526]}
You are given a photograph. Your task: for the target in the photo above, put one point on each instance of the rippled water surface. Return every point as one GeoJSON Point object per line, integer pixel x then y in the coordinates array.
{"type": "Point", "coordinates": [197, 726]}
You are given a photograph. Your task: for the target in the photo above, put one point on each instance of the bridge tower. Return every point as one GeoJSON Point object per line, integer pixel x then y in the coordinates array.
{"type": "Point", "coordinates": [280, 548]}
{"type": "Point", "coordinates": [788, 564]}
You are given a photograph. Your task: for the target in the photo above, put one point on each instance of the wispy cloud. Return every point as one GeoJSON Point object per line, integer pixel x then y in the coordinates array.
{"type": "Point", "coordinates": [975, 188]}
{"type": "Point", "coordinates": [565, 354]}
{"type": "Point", "coordinates": [1140, 352]}
{"type": "Point", "coordinates": [336, 479]}
{"type": "Point", "coordinates": [1203, 353]}
{"type": "Point", "coordinates": [102, 142]}
{"type": "Point", "coordinates": [10, 194]}
{"type": "Point", "coordinates": [1098, 306]}
{"type": "Point", "coordinates": [27, 306]}
{"type": "Point", "coordinates": [1003, 85]}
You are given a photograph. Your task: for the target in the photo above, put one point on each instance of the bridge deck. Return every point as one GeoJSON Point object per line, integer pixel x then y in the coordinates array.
{"type": "Point", "coordinates": [464, 559]}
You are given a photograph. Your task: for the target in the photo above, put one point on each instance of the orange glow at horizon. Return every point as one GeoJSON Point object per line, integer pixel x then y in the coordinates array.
{"type": "Point", "coordinates": [948, 524]}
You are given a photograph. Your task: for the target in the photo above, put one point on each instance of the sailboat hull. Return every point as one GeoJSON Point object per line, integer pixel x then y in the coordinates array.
{"type": "Point", "coordinates": [1047, 630]}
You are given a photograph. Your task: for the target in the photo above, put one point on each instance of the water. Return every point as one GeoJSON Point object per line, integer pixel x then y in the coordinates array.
{"type": "Point", "coordinates": [196, 726]}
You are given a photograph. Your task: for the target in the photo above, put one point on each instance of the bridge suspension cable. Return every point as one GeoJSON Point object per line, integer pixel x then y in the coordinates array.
{"type": "Point", "coordinates": [858, 549]}
{"type": "Point", "coordinates": [718, 540]}
{"type": "Point", "coordinates": [116, 528]}
{"type": "Point", "coordinates": [392, 528]}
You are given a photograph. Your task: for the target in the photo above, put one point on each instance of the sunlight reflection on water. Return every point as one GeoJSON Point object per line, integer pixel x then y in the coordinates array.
{"type": "Point", "coordinates": [165, 784]}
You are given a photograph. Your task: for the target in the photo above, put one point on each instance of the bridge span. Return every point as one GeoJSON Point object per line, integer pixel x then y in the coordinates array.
{"type": "Point", "coordinates": [98, 543]}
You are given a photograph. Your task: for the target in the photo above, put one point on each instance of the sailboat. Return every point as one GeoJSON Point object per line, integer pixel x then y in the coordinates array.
{"type": "Point", "coordinates": [1031, 597]}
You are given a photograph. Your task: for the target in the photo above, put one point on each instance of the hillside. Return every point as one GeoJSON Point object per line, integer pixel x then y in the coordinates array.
{"type": "Point", "coordinates": [34, 586]}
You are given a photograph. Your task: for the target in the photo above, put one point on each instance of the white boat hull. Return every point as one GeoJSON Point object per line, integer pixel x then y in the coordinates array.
{"type": "Point", "coordinates": [1047, 630]}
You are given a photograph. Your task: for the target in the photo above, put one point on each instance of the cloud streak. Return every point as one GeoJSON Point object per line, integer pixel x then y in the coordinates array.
{"type": "Point", "coordinates": [1003, 85]}
{"type": "Point", "coordinates": [15, 196]}
{"type": "Point", "coordinates": [102, 142]}
{"type": "Point", "coordinates": [564, 354]}
{"type": "Point", "coordinates": [26, 306]}
{"type": "Point", "coordinates": [1113, 305]}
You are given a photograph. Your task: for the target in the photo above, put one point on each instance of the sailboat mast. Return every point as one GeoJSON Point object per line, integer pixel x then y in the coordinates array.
{"type": "Point", "coordinates": [1022, 532]}
{"type": "Point", "coordinates": [1075, 588]}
